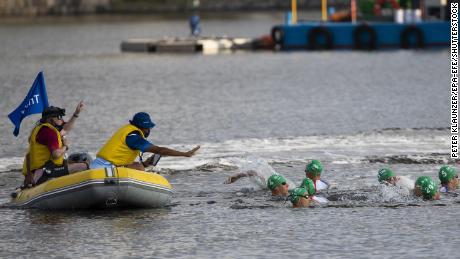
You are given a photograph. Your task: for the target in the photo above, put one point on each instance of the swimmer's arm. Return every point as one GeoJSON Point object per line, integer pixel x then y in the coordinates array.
{"type": "Point", "coordinates": [235, 177]}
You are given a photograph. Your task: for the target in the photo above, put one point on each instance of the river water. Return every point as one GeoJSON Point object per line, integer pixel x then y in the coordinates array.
{"type": "Point", "coordinates": [354, 111]}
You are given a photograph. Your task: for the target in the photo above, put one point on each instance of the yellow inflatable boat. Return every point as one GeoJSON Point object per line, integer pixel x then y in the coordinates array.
{"type": "Point", "coordinates": [98, 188]}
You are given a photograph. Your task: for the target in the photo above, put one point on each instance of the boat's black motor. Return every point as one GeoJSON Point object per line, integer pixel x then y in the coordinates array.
{"type": "Point", "coordinates": [80, 158]}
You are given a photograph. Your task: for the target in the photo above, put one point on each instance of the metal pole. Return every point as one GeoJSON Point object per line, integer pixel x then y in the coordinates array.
{"type": "Point", "coordinates": [353, 11]}
{"type": "Point", "coordinates": [442, 14]}
{"type": "Point", "coordinates": [294, 11]}
{"type": "Point", "coordinates": [324, 10]}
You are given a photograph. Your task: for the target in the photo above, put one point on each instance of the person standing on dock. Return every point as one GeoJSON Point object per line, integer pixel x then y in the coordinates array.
{"type": "Point", "coordinates": [129, 141]}
{"type": "Point", "coordinates": [195, 27]}
{"type": "Point", "coordinates": [194, 20]}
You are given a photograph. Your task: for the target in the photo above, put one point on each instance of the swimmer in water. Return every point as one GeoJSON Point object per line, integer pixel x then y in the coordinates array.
{"type": "Point", "coordinates": [313, 171]}
{"type": "Point", "coordinates": [300, 197]}
{"type": "Point", "coordinates": [449, 179]}
{"type": "Point", "coordinates": [418, 185]}
{"type": "Point", "coordinates": [425, 187]}
{"type": "Point", "coordinates": [276, 183]}
{"type": "Point", "coordinates": [308, 185]}
{"type": "Point", "coordinates": [388, 177]}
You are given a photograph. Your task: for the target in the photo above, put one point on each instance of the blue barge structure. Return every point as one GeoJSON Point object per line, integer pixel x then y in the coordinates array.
{"type": "Point", "coordinates": [361, 36]}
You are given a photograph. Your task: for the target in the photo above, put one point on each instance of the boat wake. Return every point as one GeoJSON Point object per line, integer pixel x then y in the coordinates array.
{"type": "Point", "coordinates": [389, 146]}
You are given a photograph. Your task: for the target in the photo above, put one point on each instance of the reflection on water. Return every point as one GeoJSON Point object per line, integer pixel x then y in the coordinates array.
{"type": "Point", "coordinates": [206, 222]}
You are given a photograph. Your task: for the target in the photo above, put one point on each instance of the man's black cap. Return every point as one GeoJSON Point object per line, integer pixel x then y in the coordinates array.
{"type": "Point", "coordinates": [52, 111]}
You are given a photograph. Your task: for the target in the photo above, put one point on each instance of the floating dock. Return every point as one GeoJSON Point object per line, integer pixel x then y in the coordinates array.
{"type": "Point", "coordinates": [361, 36]}
{"type": "Point", "coordinates": [205, 45]}
{"type": "Point", "coordinates": [309, 36]}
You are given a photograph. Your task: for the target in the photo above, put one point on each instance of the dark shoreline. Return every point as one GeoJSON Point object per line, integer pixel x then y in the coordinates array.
{"type": "Point", "coordinates": [90, 18]}
{"type": "Point", "coordinates": [23, 8]}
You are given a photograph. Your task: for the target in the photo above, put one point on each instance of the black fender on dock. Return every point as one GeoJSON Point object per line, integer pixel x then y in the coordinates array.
{"type": "Point", "coordinates": [278, 37]}
{"type": "Point", "coordinates": [314, 39]}
{"type": "Point", "coordinates": [407, 35]}
{"type": "Point", "coordinates": [364, 37]}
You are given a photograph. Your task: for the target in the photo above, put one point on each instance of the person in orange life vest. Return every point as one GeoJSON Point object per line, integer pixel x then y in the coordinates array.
{"type": "Point", "coordinates": [47, 147]}
{"type": "Point", "coordinates": [129, 141]}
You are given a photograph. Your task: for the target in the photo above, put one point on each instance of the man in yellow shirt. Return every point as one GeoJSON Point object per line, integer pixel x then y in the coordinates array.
{"type": "Point", "coordinates": [45, 158]}
{"type": "Point", "coordinates": [129, 141]}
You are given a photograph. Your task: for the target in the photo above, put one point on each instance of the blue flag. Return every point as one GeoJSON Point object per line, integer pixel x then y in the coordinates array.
{"type": "Point", "coordinates": [35, 102]}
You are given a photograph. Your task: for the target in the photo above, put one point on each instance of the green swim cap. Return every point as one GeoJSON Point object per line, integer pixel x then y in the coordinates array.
{"type": "Point", "coordinates": [315, 167]}
{"type": "Point", "coordinates": [429, 188]}
{"type": "Point", "coordinates": [308, 185]}
{"type": "Point", "coordinates": [274, 181]}
{"type": "Point", "coordinates": [385, 174]}
{"type": "Point", "coordinates": [421, 180]}
{"type": "Point", "coordinates": [447, 173]}
{"type": "Point", "coordinates": [294, 195]}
